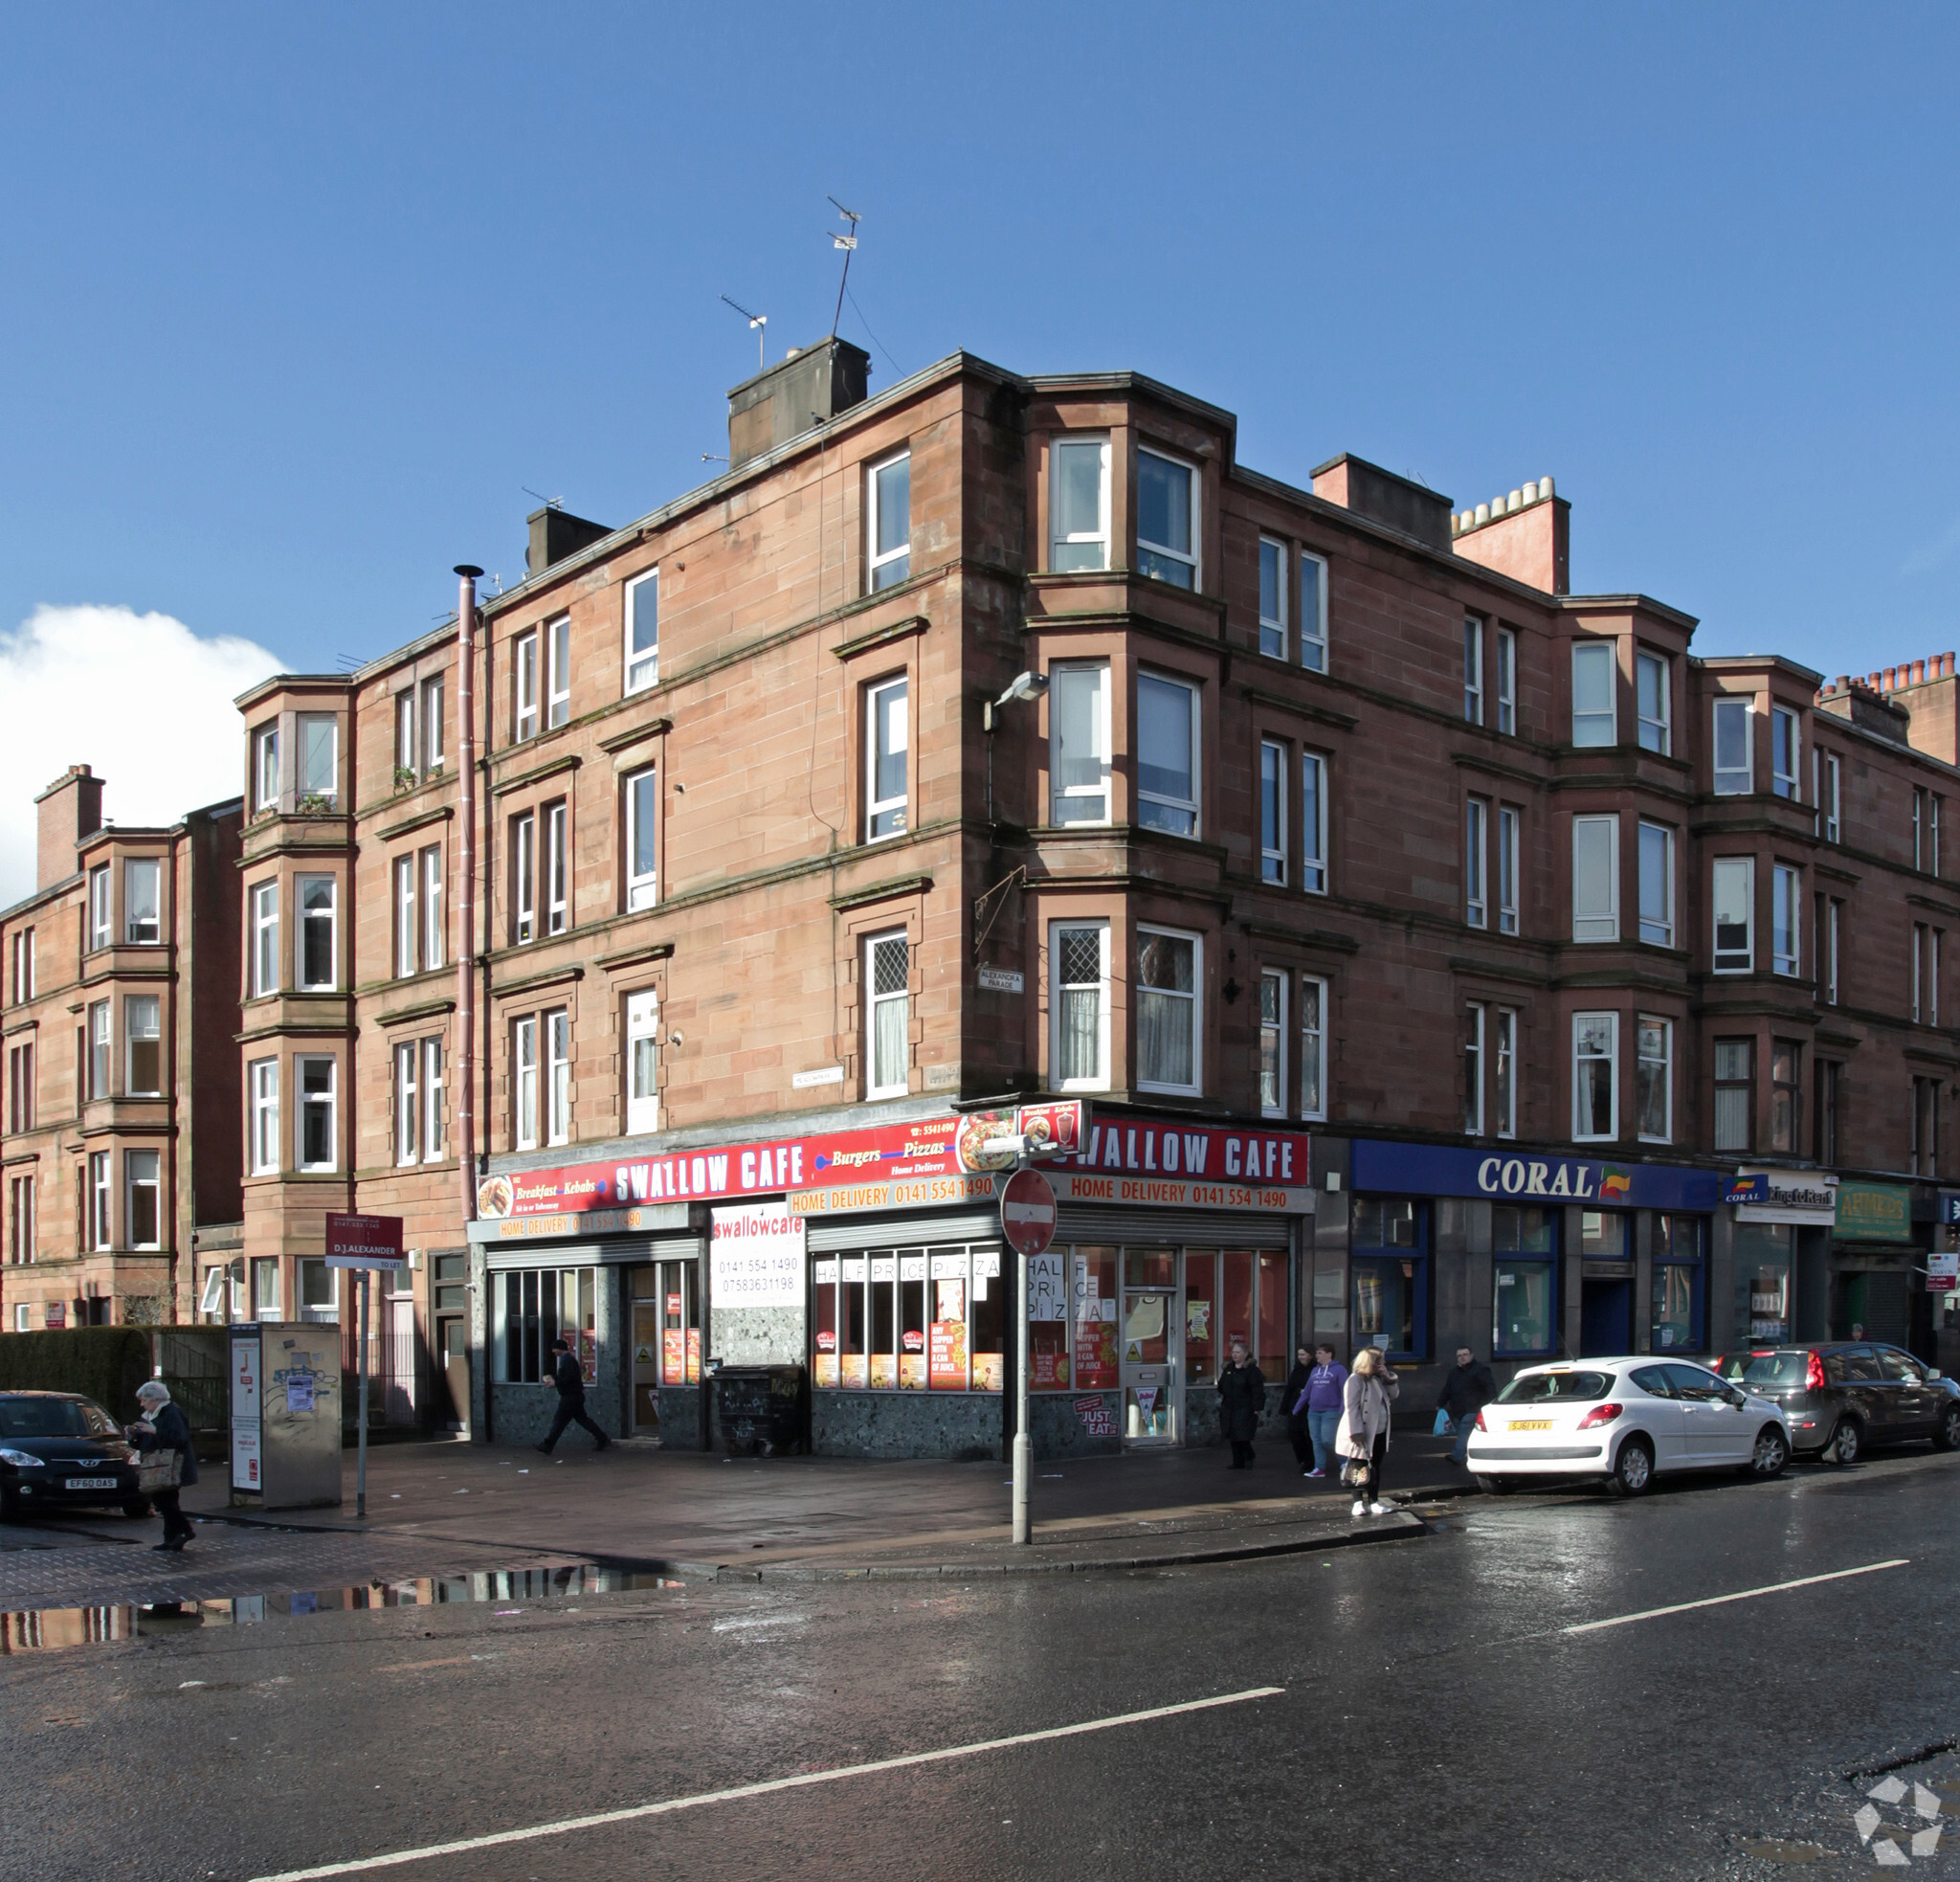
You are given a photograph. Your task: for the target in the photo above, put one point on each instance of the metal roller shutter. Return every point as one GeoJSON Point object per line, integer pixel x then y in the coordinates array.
{"type": "Point", "coordinates": [847, 1234]}
{"type": "Point", "coordinates": [1171, 1227]}
{"type": "Point", "coordinates": [612, 1252]}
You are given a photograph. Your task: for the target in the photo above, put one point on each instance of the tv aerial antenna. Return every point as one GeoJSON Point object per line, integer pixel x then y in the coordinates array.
{"type": "Point", "coordinates": [849, 244]}
{"type": "Point", "coordinates": [759, 325]}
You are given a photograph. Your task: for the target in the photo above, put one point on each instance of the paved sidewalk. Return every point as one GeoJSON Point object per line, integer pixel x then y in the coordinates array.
{"type": "Point", "coordinates": [698, 1513]}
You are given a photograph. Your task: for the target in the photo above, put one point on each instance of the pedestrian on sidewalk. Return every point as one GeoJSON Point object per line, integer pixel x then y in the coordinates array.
{"type": "Point", "coordinates": [163, 1426]}
{"type": "Point", "coordinates": [568, 1376]}
{"type": "Point", "coordinates": [1363, 1436]}
{"type": "Point", "coordinates": [1466, 1391]}
{"type": "Point", "coordinates": [1326, 1393]}
{"type": "Point", "coordinates": [1241, 1404]}
{"type": "Point", "coordinates": [1293, 1403]}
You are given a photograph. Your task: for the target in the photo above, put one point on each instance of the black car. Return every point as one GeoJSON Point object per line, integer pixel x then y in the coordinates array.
{"type": "Point", "coordinates": [1843, 1394]}
{"type": "Point", "coordinates": [60, 1452]}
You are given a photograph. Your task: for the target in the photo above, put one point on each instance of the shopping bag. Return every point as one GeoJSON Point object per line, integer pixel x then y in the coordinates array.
{"type": "Point", "coordinates": [160, 1469]}
{"type": "Point", "coordinates": [1444, 1427]}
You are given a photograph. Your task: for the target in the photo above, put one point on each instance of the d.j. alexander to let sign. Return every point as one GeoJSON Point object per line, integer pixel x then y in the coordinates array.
{"type": "Point", "coordinates": [936, 1162]}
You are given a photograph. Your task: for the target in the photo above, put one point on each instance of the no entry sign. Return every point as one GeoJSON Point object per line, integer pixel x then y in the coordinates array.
{"type": "Point", "coordinates": [1027, 1212]}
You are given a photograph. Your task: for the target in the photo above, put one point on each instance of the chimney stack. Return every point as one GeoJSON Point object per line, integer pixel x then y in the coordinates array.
{"type": "Point", "coordinates": [809, 388]}
{"type": "Point", "coordinates": [68, 810]}
{"type": "Point", "coordinates": [555, 534]}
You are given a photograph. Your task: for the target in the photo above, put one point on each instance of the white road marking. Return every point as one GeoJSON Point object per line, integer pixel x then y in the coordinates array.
{"type": "Point", "coordinates": [566, 1825]}
{"type": "Point", "coordinates": [1741, 1594]}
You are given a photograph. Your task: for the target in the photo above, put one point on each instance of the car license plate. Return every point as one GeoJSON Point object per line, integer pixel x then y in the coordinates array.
{"type": "Point", "coordinates": [1530, 1424]}
{"type": "Point", "coordinates": [89, 1482]}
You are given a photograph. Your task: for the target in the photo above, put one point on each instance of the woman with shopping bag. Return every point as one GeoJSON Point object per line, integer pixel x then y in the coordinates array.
{"type": "Point", "coordinates": [1362, 1438]}
{"type": "Point", "coordinates": [163, 1435]}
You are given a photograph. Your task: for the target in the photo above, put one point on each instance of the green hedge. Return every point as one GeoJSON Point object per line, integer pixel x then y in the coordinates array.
{"type": "Point", "coordinates": [105, 1363]}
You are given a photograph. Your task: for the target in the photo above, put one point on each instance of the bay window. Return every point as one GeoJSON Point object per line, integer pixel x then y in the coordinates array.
{"type": "Point", "coordinates": [1167, 772]}
{"type": "Point", "coordinates": [143, 1045]}
{"type": "Point", "coordinates": [263, 1078]}
{"type": "Point", "coordinates": [1653, 703]}
{"type": "Point", "coordinates": [1735, 1094]}
{"type": "Point", "coordinates": [319, 779]}
{"type": "Point", "coordinates": [319, 1145]}
{"type": "Point", "coordinates": [1731, 900]}
{"type": "Point", "coordinates": [1783, 752]}
{"type": "Point", "coordinates": [143, 901]}
{"type": "Point", "coordinates": [317, 933]}
{"type": "Point", "coordinates": [1595, 718]}
{"type": "Point", "coordinates": [142, 1198]}
{"type": "Point", "coordinates": [1734, 763]}
{"type": "Point", "coordinates": [265, 938]}
{"type": "Point", "coordinates": [1079, 744]}
{"type": "Point", "coordinates": [1654, 1079]}
{"type": "Point", "coordinates": [1272, 812]}
{"type": "Point", "coordinates": [1786, 913]}
{"type": "Point", "coordinates": [1595, 879]}
{"type": "Point", "coordinates": [1079, 504]}
{"type": "Point", "coordinates": [1167, 520]}
{"type": "Point", "coordinates": [1657, 884]}
{"type": "Point", "coordinates": [1476, 841]}
{"type": "Point", "coordinates": [1313, 1047]}
{"type": "Point", "coordinates": [1313, 823]}
{"type": "Point", "coordinates": [1079, 957]}
{"type": "Point", "coordinates": [1272, 1043]}
{"type": "Point", "coordinates": [1272, 598]}
{"type": "Point", "coordinates": [1168, 1014]}
{"type": "Point", "coordinates": [1595, 1077]}
{"type": "Point", "coordinates": [1313, 614]}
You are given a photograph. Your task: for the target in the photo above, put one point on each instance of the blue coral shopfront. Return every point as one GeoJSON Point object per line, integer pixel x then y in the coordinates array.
{"type": "Point", "coordinates": [1526, 1255]}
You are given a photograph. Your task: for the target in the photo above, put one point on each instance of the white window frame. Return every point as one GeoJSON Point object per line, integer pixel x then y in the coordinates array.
{"type": "Point", "coordinates": [1508, 682]}
{"type": "Point", "coordinates": [1733, 780]}
{"type": "Point", "coordinates": [1314, 773]}
{"type": "Point", "coordinates": [407, 1089]}
{"type": "Point", "coordinates": [99, 1046]}
{"type": "Point", "coordinates": [523, 914]}
{"type": "Point", "coordinates": [316, 1104]}
{"type": "Point", "coordinates": [1786, 913]}
{"type": "Point", "coordinates": [557, 672]}
{"type": "Point", "coordinates": [1830, 960]}
{"type": "Point", "coordinates": [1786, 783]}
{"type": "Point", "coordinates": [523, 684]}
{"type": "Point", "coordinates": [1827, 795]}
{"type": "Point", "coordinates": [642, 1064]}
{"type": "Point", "coordinates": [1642, 1059]}
{"type": "Point", "coordinates": [265, 937]}
{"type": "Point", "coordinates": [1662, 925]}
{"type": "Point", "coordinates": [1505, 1068]}
{"type": "Point", "coordinates": [263, 1076]}
{"type": "Point", "coordinates": [642, 887]}
{"type": "Point", "coordinates": [1477, 861]}
{"type": "Point", "coordinates": [1919, 930]}
{"type": "Point", "coordinates": [1313, 620]}
{"type": "Point", "coordinates": [1474, 1041]}
{"type": "Point", "coordinates": [1196, 997]}
{"type": "Point", "coordinates": [524, 1083]}
{"type": "Point", "coordinates": [23, 952]}
{"type": "Point", "coordinates": [434, 1089]}
{"type": "Point", "coordinates": [558, 1091]}
{"type": "Point", "coordinates": [433, 935]}
{"type": "Point", "coordinates": [1509, 831]}
{"type": "Point", "coordinates": [1273, 624]}
{"type": "Point", "coordinates": [887, 708]}
{"type": "Point", "coordinates": [135, 1008]}
{"type": "Point", "coordinates": [874, 1003]}
{"type": "Point", "coordinates": [876, 561]}
{"type": "Point", "coordinates": [1717, 869]}
{"type": "Point", "coordinates": [1596, 927]}
{"type": "Point", "coordinates": [1273, 800]}
{"type": "Point", "coordinates": [265, 767]}
{"type": "Point", "coordinates": [101, 1222]}
{"type": "Point", "coordinates": [130, 900]}
{"type": "Point", "coordinates": [1587, 653]}
{"type": "Point", "coordinates": [1146, 548]}
{"type": "Point", "coordinates": [1059, 545]}
{"type": "Point", "coordinates": [1065, 800]}
{"type": "Point", "coordinates": [405, 730]}
{"type": "Point", "coordinates": [1060, 988]}
{"type": "Point", "coordinates": [1176, 806]}
{"type": "Point", "coordinates": [1612, 1058]}
{"type": "Point", "coordinates": [102, 927]}
{"type": "Point", "coordinates": [308, 918]}
{"type": "Point", "coordinates": [1659, 730]}
{"type": "Point", "coordinates": [330, 791]}
{"type": "Point", "coordinates": [431, 708]}
{"type": "Point", "coordinates": [557, 867]}
{"type": "Point", "coordinates": [1312, 1025]}
{"type": "Point", "coordinates": [406, 900]}
{"type": "Point", "coordinates": [1473, 669]}
{"type": "Point", "coordinates": [135, 1161]}
{"type": "Point", "coordinates": [642, 664]}
{"type": "Point", "coordinates": [1273, 1029]}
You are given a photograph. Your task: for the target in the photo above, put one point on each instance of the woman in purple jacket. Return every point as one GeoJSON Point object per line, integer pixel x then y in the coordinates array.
{"type": "Point", "coordinates": [1321, 1401]}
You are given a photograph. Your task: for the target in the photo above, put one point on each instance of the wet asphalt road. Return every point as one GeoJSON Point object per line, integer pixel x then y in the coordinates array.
{"type": "Point", "coordinates": [1435, 1719]}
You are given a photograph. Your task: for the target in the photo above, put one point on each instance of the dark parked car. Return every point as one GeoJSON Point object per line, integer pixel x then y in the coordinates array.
{"type": "Point", "coordinates": [1843, 1394]}
{"type": "Point", "coordinates": [59, 1450]}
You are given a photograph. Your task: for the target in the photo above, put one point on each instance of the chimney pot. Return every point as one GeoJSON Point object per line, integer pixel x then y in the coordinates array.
{"type": "Point", "coordinates": [1483, 513]}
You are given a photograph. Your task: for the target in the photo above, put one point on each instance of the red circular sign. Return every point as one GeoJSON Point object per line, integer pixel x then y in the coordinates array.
{"type": "Point", "coordinates": [1027, 1212]}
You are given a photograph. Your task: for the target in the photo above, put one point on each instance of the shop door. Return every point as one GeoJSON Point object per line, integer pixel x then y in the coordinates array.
{"type": "Point", "coordinates": [1606, 1317]}
{"type": "Point", "coordinates": [1151, 1356]}
{"type": "Point", "coordinates": [646, 1364]}
{"type": "Point", "coordinates": [453, 1346]}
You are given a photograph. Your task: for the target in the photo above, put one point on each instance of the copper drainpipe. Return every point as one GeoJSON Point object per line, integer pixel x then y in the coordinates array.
{"type": "Point", "coordinates": [466, 889]}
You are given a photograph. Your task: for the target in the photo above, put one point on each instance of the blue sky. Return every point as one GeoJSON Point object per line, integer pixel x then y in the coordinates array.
{"type": "Point", "coordinates": [300, 300]}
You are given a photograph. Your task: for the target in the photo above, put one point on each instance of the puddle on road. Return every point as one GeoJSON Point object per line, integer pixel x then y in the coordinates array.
{"type": "Point", "coordinates": [50, 1629]}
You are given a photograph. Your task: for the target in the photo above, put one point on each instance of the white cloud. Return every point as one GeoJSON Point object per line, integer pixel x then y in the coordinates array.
{"type": "Point", "coordinates": [141, 699]}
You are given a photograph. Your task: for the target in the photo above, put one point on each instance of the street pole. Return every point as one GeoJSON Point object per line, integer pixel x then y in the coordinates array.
{"type": "Point", "coordinates": [360, 1453]}
{"type": "Point", "coordinates": [1024, 1439]}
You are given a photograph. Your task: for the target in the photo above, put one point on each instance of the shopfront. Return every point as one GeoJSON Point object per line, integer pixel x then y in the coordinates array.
{"type": "Point", "coordinates": [1521, 1255]}
{"type": "Point", "coordinates": [1878, 1265]}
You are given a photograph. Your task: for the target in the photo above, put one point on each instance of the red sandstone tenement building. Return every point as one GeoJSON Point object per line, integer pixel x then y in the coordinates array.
{"type": "Point", "coordinates": [119, 1163]}
{"type": "Point", "coordinates": [1478, 935]}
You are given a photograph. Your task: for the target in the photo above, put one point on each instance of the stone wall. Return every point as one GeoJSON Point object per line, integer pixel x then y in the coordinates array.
{"type": "Point", "coordinates": [950, 1425]}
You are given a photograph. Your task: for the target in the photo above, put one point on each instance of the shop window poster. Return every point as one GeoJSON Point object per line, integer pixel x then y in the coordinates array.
{"type": "Point", "coordinates": [1197, 1319]}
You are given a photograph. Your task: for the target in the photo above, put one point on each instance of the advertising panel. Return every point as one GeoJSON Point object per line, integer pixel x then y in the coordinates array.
{"type": "Point", "coordinates": [1874, 1212]}
{"type": "Point", "coordinates": [1525, 1177]}
{"type": "Point", "coordinates": [755, 1256]}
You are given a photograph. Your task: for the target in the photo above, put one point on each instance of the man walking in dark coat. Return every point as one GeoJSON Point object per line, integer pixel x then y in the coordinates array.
{"type": "Point", "coordinates": [1241, 1404]}
{"type": "Point", "coordinates": [568, 1376]}
{"type": "Point", "coordinates": [1467, 1390]}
